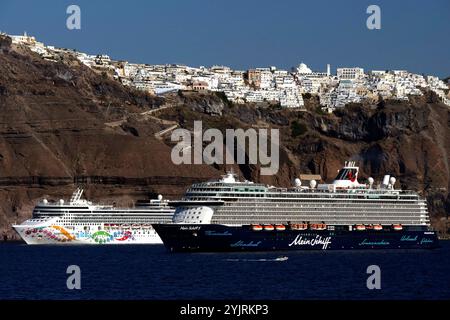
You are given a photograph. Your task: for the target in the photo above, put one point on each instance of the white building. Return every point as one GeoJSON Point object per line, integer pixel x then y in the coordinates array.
{"type": "Point", "coordinates": [264, 84]}
{"type": "Point", "coordinates": [350, 73]}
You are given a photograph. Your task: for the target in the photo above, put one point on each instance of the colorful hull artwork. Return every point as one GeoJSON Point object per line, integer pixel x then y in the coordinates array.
{"type": "Point", "coordinates": [55, 234]}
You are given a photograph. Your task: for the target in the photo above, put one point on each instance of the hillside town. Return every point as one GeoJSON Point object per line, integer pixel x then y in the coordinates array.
{"type": "Point", "coordinates": [258, 85]}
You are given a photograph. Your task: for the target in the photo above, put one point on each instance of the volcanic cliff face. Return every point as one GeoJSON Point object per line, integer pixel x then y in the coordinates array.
{"type": "Point", "coordinates": [62, 124]}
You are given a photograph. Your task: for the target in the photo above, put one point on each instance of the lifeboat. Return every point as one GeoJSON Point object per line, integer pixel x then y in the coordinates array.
{"type": "Point", "coordinates": [377, 227]}
{"type": "Point", "coordinates": [269, 227]}
{"type": "Point", "coordinates": [397, 227]}
{"type": "Point", "coordinates": [298, 226]}
{"type": "Point", "coordinates": [135, 226]}
{"type": "Point", "coordinates": [369, 227]}
{"type": "Point", "coordinates": [257, 227]}
{"type": "Point", "coordinates": [146, 226]}
{"type": "Point", "coordinates": [360, 227]}
{"type": "Point", "coordinates": [280, 227]}
{"type": "Point", "coordinates": [125, 226]}
{"type": "Point", "coordinates": [318, 226]}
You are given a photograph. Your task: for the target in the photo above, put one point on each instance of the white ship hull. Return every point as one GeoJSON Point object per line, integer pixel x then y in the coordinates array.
{"type": "Point", "coordinates": [64, 235]}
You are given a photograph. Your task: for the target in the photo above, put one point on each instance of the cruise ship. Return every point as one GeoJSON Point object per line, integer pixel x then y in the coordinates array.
{"type": "Point", "coordinates": [81, 222]}
{"type": "Point", "coordinates": [232, 215]}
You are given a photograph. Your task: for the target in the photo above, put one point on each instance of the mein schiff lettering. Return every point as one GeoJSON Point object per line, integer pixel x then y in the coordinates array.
{"type": "Point", "coordinates": [317, 241]}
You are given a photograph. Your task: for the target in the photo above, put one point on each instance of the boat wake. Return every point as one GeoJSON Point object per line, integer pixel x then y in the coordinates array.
{"type": "Point", "coordinates": [284, 258]}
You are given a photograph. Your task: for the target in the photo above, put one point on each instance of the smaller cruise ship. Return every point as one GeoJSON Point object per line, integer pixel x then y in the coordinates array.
{"type": "Point", "coordinates": [79, 221]}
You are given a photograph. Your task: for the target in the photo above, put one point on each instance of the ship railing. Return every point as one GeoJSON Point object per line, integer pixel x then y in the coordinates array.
{"type": "Point", "coordinates": [348, 190]}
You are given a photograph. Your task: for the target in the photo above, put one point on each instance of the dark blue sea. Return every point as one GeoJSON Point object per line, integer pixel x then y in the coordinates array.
{"type": "Point", "coordinates": [150, 272]}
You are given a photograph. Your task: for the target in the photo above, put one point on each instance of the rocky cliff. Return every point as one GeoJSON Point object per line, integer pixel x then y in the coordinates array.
{"type": "Point", "coordinates": [62, 124]}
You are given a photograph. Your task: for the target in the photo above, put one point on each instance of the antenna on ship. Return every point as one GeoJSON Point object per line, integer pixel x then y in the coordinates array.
{"type": "Point", "coordinates": [350, 164]}
{"type": "Point", "coordinates": [76, 196]}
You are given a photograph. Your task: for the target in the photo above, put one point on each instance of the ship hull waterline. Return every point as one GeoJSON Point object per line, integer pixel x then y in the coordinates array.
{"type": "Point", "coordinates": [222, 238]}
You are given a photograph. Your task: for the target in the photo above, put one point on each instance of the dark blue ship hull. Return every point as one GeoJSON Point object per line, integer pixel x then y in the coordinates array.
{"type": "Point", "coordinates": [214, 237]}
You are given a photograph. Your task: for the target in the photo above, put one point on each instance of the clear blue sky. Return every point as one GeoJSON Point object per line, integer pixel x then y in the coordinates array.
{"type": "Point", "coordinates": [415, 35]}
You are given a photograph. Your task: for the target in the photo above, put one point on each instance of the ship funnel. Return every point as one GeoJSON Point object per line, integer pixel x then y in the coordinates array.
{"type": "Point", "coordinates": [230, 177]}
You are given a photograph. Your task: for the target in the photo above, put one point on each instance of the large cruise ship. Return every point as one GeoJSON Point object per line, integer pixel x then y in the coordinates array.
{"type": "Point", "coordinates": [232, 215]}
{"type": "Point", "coordinates": [81, 222]}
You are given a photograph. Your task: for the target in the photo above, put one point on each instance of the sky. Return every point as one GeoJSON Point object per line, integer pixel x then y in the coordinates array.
{"type": "Point", "coordinates": [414, 35]}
